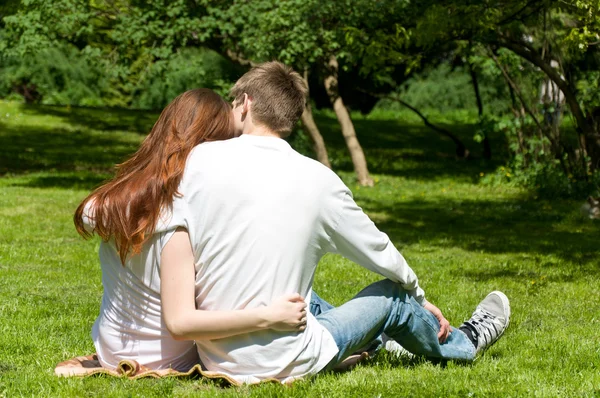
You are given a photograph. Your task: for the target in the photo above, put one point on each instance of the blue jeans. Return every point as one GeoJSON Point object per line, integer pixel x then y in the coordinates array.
{"type": "Point", "coordinates": [385, 307]}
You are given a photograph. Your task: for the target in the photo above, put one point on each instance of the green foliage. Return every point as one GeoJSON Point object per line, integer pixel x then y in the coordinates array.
{"type": "Point", "coordinates": [142, 54]}
{"type": "Point", "coordinates": [134, 42]}
{"type": "Point", "coordinates": [587, 87]}
{"type": "Point", "coordinates": [546, 179]}
{"type": "Point", "coordinates": [586, 32]}
{"type": "Point", "coordinates": [67, 76]}
{"type": "Point", "coordinates": [573, 25]}
{"type": "Point", "coordinates": [189, 68]}
{"type": "Point", "coordinates": [8, 7]}
{"type": "Point", "coordinates": [39, 25]}
{"type": "Point", "coordinates": [301, 142]}
{"type": "Point", "coordinates": [60, 75]}
{"type": "Point", "coordinates": [447, 90]}
{"type": "Point", "coordinates": [300, 33]}
{"type": "Point", "coordinates": [534, 165]}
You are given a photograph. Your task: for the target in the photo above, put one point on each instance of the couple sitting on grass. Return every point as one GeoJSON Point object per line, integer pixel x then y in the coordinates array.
{"type": "Point", "coordinates": [212, 232]}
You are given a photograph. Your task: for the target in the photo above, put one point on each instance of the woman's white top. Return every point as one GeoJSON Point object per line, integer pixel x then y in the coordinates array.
{"type": "Point", "coordinates": [130, 324]}
{"type": "Point", "coordinates": [260, 216]}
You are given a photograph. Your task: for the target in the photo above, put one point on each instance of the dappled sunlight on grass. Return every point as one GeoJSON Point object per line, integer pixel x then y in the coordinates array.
{"type": "Point", "coordinates": [462, 238]}
{"type": "Point", "coordinates": [409, 149]}
{"type": "Point", "coordinates": [63, 147]}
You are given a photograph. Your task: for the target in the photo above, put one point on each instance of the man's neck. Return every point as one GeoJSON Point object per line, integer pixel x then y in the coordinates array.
{"type": "Point", "coordinates": [261, 131]}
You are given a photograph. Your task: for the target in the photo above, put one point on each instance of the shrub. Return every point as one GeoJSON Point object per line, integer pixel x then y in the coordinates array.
{"type": "Point", "coordinates": [57, 76]}
{"type": "Point", "coordinates": [68, 76]}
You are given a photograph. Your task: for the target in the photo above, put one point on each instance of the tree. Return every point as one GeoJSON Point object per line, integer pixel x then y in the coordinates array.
{"type": "Point", "coordinates": [388, 56]}
{"type": "Point", "coordinates": [487, 149]}
{"type": "Point", "coordinates": [538, 31]}
{"type": "Point", "coordinates": [8, 7]}
{"type": "Point", "coordinates": [313, 131]}
{"type": "Point", "coordinates": [131, 37]}
{"type": "Point", "coordinates": [356, 152]}
{"type": "Point", "coordinates": [382, 41]}
{"type": "Point", "coordinates": [308, 35]}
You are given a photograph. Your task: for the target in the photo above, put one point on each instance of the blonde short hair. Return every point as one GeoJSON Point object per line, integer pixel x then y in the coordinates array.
{"type": "Point", "coordinates": [278, 95]}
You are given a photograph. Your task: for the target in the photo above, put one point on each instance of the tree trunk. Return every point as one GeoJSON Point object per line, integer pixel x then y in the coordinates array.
{"type": "Point", "coordinates": [313, 131]}
{"type": "Point", "coordinates": [356, 151]}
{"type": "Point", "coordinates": [487, 149]}
{"type": "Point", "coordinates": [518, 115]}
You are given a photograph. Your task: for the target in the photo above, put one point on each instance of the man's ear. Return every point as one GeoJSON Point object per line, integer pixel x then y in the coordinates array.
{"type": "Point", "coordinates": [246, 105]}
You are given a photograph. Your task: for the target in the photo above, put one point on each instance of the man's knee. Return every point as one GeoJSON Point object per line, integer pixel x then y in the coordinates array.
{"type": "Point", "coordinates": [386, 290]}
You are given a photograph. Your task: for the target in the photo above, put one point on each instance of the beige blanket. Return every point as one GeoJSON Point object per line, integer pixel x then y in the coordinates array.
{"type": "Point", "coordinates": [89, 365]}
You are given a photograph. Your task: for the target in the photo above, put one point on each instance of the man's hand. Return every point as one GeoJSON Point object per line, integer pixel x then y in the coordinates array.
{"type": "Point", "coordinates": [445, 329]}
{"type": "Point", "coordinates": [287, 313]}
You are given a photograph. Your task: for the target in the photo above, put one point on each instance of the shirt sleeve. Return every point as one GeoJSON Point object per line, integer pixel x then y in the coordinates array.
{"type": "Point", "coordinates": [178, 215]}
{"type": "Point", "coordinates": [88, 216]}
{"type": "Point", "coordinates": [357, 238]}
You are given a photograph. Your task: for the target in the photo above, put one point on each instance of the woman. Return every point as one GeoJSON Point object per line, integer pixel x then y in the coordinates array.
{"type": "Point", "coordinates": [131, 214]}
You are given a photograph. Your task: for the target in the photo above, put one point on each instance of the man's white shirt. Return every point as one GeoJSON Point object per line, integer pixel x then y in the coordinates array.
{"type": "Point", "coordinates": [260, 217]}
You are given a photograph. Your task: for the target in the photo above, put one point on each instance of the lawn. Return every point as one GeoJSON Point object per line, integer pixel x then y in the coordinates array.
{"type": "Point", "coordinates": [462, 238]}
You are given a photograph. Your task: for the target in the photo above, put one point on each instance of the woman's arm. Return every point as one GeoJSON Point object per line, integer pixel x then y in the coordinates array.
{"type": "Point", "coordinates": [185, 322]}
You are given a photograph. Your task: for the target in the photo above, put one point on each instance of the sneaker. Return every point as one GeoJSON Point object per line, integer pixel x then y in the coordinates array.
{"type": "Point", "coordinates": [395, 348]}
{"type": "Point", "coordinates": [489, 321]}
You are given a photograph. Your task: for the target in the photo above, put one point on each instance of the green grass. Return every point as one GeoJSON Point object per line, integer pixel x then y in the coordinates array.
{"type": "Point", "coordinates": [463, 240]}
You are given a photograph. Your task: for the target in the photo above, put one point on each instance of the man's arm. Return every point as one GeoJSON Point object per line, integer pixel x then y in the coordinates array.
{"type": "Point", "coordinates": [185, 322]}
{"type": "Point", "coordinates": [357, 238]}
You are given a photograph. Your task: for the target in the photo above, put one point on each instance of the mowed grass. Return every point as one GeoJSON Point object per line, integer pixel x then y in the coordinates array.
{"type": "Point", "coordinates": [462, 239]}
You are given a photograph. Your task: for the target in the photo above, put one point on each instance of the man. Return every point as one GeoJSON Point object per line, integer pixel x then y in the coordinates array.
{"type": "Point", "coordinates": [263, 216]}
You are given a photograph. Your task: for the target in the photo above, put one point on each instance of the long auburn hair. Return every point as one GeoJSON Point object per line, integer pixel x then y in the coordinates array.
{"type": "Point", "coordinates": [128, 207]}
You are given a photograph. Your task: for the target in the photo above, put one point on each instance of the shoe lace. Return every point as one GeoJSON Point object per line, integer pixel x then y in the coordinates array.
{"type": "Point", "coordinates": [481, 324]}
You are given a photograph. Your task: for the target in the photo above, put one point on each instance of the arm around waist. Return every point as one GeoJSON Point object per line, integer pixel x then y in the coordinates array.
{"type": "Point", "coordinates": [185, 322]}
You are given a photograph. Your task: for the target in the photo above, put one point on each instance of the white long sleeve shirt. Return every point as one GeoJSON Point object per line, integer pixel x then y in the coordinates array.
{"type": "Point", "coordinates": [260, 216]}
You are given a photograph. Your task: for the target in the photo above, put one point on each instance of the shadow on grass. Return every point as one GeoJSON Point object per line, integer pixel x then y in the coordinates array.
{"type": "Point", "coordinates": [26, 149]}
{"type": "Point", "coordinates": [81, 181]}
{"type": "Point", "coordinates": [410, 150]}
{"type": "Point", "coordinates": [71, 157]}
{"type": "Point", "coordinates": [92, 139]}
{"type": "Point", "coordinates": [508, 226]}
{"type": "Point", "coordinates": [106, 119]}
{"type": "Point", "coordinates": [69, 147]}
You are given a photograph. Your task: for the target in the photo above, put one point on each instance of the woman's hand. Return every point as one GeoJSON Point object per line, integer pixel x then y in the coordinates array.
{"type": "Point", "coordinates": [287, 313]}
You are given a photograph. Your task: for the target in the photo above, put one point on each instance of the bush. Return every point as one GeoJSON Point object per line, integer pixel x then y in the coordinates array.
{"type": "Point", "coordinates": [534, 164]}
{"type": "Point", "coordinates": [56, 76]}
{"type": "Point", "coordinates": [448, 89]}
{"type": "Point", "coordinates": [68, 76]}
{"type": "Point", "coordinates": [547, 181]}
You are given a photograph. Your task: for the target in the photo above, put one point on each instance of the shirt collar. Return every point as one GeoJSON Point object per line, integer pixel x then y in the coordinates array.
{"type": "Point", "coordinates": [265, 141]}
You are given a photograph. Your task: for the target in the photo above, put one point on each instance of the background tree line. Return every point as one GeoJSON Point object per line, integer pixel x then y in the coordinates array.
{"type": "Point", "coordinates": [529, 70]}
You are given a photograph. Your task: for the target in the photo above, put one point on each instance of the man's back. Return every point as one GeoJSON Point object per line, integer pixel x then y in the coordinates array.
{"type": "Point", "coordinates": [259, 217]}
